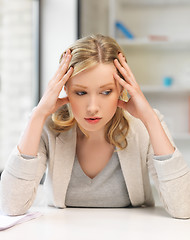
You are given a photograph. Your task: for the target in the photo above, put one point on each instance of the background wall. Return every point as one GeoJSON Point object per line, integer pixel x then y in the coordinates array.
{"type": "Point", "coordinates": [94, 17]}
{"type": "Point", "coordinates": [59, 30]}
{"type": "Point", "coordinates": [17, 59]}
{"type": "Point", "coordinates": [15, 71]}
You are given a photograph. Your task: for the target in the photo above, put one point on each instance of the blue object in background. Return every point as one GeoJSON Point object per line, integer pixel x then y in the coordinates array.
{"type": "Point", "coordinates": [124, 30]}
{"type": "Point", "coordinates": [167, 81]}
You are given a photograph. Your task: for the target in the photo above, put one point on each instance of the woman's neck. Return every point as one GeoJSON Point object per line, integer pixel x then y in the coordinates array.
{"type": "Point", "coordinates": [93, 137]}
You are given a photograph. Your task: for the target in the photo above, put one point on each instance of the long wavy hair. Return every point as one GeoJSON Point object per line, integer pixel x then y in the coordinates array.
{"type": "Point", "coordinates": [86, 53]}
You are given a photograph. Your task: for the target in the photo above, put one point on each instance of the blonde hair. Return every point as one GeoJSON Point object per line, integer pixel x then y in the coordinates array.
{"type": "Point", "coordinates": [86, 53]}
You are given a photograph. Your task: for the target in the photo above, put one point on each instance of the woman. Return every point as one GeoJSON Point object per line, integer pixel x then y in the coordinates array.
{"type": "Point", "coordinates": [99, 147]}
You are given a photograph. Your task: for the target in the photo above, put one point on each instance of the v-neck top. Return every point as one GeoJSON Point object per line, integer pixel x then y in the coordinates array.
{"type": "Point", "coordinates": [106, 189]}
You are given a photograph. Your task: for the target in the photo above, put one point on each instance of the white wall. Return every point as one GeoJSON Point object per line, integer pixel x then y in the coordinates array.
{"type": "Point", "coordinates": [16, 92]}
{"type": "Point", "coordinates": [59, 30]}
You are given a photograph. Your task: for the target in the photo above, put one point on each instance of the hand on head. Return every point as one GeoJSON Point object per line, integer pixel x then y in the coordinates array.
{"type": "Point", "coordinates": [137, 104]}
{"type": "Point", "coordinates": [50, 101]}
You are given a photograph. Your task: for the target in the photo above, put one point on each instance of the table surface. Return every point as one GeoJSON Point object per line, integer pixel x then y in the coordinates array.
{"type": "Point", "coordinates": [97, 223]}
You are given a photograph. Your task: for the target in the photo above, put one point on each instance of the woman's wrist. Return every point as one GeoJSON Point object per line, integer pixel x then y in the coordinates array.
{"type": "Point", "coordinates": [159, 140]}
{"type": "Point", "coordinates": [39, 113]}
{"type": "Point", "coordinates": [149, 117]}
{"type": "Point", "coordinates": [29, 143]}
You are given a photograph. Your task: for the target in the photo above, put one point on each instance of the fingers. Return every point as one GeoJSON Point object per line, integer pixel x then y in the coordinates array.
{"type": "Point", "coordinates": [59, 86]}
{"type": "Point", "coordinates": [65, 58]}
{"type": "Point", "coordinates": [124, 69]}
{"type": "Point", "coordinates": [125, 65]}
{"type": "Point", "coordinates": [63, 67]}
{"type": "Point", "coordinates": [66, 76]}
{"type": "Point", "coordinates": [123, 83]}
{"type": "Point", "coordinates": [121, 70]}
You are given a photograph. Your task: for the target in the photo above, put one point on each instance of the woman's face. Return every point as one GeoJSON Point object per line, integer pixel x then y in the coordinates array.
{"type": "Point", "coordinates": [94, 94]}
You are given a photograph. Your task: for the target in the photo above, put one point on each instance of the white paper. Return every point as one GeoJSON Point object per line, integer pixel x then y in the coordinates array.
{"type": "Point", "coordinates": [10, 221]}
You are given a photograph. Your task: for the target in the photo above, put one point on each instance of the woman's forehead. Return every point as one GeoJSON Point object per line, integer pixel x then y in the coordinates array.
{"type": "Point", "coordinates": [98, 75]}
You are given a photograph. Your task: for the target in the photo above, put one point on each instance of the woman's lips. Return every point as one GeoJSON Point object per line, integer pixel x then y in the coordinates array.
{"type": "Point", "coordinates": [92, 120]}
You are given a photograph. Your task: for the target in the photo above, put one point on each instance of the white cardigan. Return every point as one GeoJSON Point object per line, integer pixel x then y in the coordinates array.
{"type": "Point", "coordinates": [21, 176]}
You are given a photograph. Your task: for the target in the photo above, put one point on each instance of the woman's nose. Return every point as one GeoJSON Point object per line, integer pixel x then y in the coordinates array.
{"type": "Point", "coordinates": [92, 106]}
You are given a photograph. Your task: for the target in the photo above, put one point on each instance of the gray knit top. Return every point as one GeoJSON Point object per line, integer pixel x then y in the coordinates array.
{"type": "Point", "coordinates": [107, 189]}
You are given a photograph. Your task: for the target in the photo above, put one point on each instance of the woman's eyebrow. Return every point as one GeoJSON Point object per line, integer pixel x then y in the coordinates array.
{"type": "Point", "coordinates": [107, 84]}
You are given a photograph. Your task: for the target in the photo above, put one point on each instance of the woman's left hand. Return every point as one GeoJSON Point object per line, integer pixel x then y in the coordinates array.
{"type": "Point", "coordinates": [137, 105]}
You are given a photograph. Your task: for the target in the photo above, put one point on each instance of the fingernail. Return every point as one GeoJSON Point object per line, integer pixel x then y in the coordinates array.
{"type": "Point", "coordinates": [67, 51]}
{"type": "Point", "coordinates": [62, 58]}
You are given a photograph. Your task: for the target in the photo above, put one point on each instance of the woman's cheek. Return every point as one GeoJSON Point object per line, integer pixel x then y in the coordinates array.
{"type": "Point", "coordinates": [114, 100]}
{"type": "Point", "coordinates": [75, 106]}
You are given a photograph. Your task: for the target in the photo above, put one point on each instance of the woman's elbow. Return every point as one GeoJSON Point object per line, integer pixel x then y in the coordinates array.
{"type": "Point", "coordinates": [181, 213]}
{"type": "Point", "coordinates": [12, 210]}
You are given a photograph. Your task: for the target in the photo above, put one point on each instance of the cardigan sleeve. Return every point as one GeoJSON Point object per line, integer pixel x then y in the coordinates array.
{"type": "Point", "coordinates": [172, 180]}
{"type": "Point", "coordinates": [20, 180]}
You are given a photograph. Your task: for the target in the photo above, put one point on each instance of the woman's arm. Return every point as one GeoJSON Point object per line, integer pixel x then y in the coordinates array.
{"type": "Point", "coordinates": [49, 103]}
{"type": "Point", "coordinates": [139, 107]}
{"type": "Point", "coordinates": [171, 178]}
{"type": "Point", "coordinates": [21, 177]}
{"type": "Point", "coordinates": [159, 140]}
{"type": "Point", "coordinates": [29, 142]}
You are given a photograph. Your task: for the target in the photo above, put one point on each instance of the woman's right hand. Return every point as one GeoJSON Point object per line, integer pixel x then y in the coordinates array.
{"type": "Point", "coordinates": [50, 101]}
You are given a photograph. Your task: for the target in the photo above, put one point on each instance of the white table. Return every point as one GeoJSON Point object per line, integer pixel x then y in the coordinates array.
{"type": "Point", "coordinates": [93, 224]}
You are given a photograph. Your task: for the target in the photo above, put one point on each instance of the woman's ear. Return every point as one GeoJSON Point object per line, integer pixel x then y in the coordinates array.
{"type": "Point", "coordinates": [65, 89]}
{"type": "Point", "coordinates": [121, 90]}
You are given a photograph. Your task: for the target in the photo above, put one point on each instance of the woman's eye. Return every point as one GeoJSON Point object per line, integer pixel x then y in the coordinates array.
{"type": "Point", "coordinates": [107, 92]}
{"type": "Point", "coordinates": [80, 93]}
